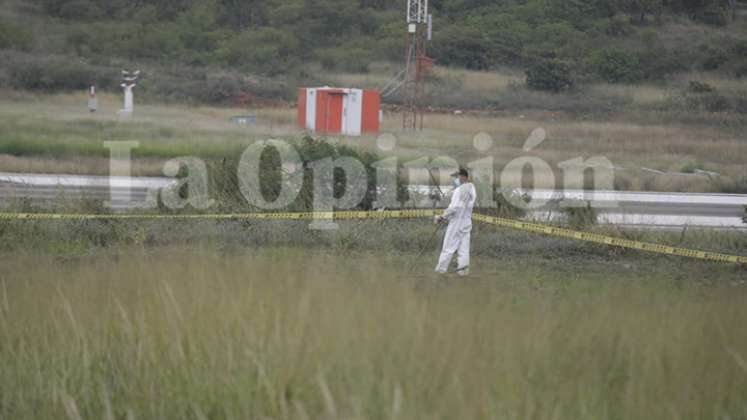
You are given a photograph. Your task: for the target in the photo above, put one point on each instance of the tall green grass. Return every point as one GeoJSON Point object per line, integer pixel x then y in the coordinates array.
{"type": "Point", "coordinates": [87, 139]}
{"type": "Point", "coordinates": [293, 334]}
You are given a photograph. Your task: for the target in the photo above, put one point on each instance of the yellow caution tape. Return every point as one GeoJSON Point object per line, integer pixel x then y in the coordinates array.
{"type": "Point", "coordinates": [338, 215]}
{"type": "Point", "coordinates": [399, 214]}
{"type": "Point", "coordinates": [608, 240]}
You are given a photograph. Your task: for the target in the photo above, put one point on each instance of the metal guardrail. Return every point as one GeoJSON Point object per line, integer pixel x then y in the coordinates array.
{"type": "Point", "coordinates": [629, 209]}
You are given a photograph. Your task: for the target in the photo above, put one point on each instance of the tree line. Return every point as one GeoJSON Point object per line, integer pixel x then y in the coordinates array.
{"type": "Point", "coordinates": [273, 35]}
{"type": "Point", "coordinates": [559, 42]}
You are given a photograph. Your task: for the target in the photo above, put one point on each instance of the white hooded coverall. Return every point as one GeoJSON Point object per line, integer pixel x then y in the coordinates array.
{"type": "Point", "coordinates": [458, 234]}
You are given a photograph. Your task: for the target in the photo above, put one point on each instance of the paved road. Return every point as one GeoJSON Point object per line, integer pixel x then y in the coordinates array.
{"type": "Point", "coordinates": [654, 208]}
{"type": "Point", "coordinates": [614, 207]}
{"type": "Point", "coordinates": [639, 208]}
{"type": "Point", "coordinates": [123, 193]}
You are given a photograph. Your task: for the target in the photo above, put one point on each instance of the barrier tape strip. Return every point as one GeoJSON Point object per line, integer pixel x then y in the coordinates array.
{"type": "Point", "coordinates": [401, 214]}
{"type": "Point", "coordinates": [608, 240]}
{"type": "Point", "coordinates": [338, 215]}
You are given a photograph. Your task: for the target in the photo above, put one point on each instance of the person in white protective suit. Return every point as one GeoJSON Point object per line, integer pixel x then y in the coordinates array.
{"type": "Point", "coordinates": [459, 232]}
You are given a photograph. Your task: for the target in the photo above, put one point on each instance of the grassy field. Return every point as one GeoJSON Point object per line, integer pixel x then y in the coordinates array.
{"type": "Point", "coordinates": [236, 319]}
{"type": "Point", "coordinates": [43, 133]}
{"type": "Point", "coordinates": [198, 333]}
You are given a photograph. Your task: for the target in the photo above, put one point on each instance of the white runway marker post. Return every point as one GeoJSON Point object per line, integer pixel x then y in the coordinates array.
{"type": "Point", "coordinates": [129, 81]}
{"type": "Point", "coordinates": [93, 102]}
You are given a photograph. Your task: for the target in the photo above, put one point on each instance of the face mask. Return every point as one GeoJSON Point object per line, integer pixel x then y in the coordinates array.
{"type": "Point", "coordinates": [457, 183]}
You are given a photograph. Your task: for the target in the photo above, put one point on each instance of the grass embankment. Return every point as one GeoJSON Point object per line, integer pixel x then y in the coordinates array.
{"type": "Point", "coordinates": [289, 334]}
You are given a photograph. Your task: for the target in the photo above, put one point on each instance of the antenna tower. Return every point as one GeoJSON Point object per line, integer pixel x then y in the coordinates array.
{"type": "Point", "coordinates": [417, 62]}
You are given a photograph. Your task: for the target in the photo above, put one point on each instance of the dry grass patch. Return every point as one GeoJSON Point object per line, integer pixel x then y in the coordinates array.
{"type": "Point", "coordinates": [38, 109]}
{"type": "Point", "coordinates": [479, 81]}
{"type": "Point", "coordinates": [638, 95]}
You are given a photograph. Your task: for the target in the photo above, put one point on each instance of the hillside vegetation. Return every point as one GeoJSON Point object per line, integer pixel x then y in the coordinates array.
{"type": "Point", "coordinates": [229, 50]}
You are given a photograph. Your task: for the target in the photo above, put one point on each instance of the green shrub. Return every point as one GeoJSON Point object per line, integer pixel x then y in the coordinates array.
{"type": "Point", "coordinates": [224, 176]}
{"type": "Point", "coordinates": [57, 74]}
{"type": "Point", "coordinates": [158, 42]}
{"type": "Point", "coordinates": [223, 89]}
{"type": "Point", "coordinates": [80, 10]}
{"type": "Point", "coordinates": [15, 36]}
{"type": "Point", "coordinates": [268, 50]}
{"type": "Point", "coordinates": [713, 57]}
{"type": "Point", "coordinates": [345, 58]}
{"type": "Point", "coordinates": [553, 40]}
{"type": "Point", "coordinates": [549, 75]}
{"type": "Point", "coordinates": [658, 63]}
{"type": "Point", "coordinates": [463, 46]}
{"type": "Point", "coordinates": [80, 38]}
{"type": "Point", "coordinates": [50, 76]}
{"type": "Point", "coordinates": [700, 87]}
{"type": "Point", "coordinates": [739, 49]}
{"type": "Point", "coordinates": [615, 65]}
{"type": "Point", "coordinates": [702, 97]}
{"type": "Point", "coordinates": [741, 70]}
{"type": "Point", "coordinates": [709, 102]}
{"type": "Point", "coordinates": [713, 15]}
{"type": "Point", "coordinates": [580, 217]}
{"type": "Point", "coordinates": [691, 167]}
{"type": "Point", "coordinates": [618, 26]}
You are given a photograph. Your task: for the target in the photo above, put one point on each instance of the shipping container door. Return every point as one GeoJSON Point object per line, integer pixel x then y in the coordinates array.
{"type": "Point", "coordinates": [320, 115]}
{"type": "Point", "coordinates": [371, 112]}
{"type": "Point", "coordinates": [353, 104]}
{"type": "Point", "coordinates": [334, 112]}
{"type": "Point", "coordinates": [329, 108]}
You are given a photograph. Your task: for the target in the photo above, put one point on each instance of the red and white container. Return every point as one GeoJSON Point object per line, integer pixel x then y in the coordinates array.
{"type": "Point", "coordinates": [349, 112]}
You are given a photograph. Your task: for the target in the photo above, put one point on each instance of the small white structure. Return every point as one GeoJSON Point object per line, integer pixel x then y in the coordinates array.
{"type": "Point", "coordinates": [129, 104]}
{"type": "Point", "coordinates": [350, 112]}
{"type": "Point", "coordinates": [129, 81]}
{"type": "Point", "coordinates": [93, 102]}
